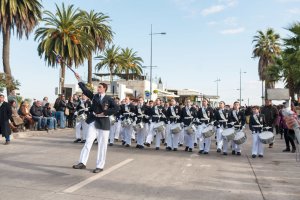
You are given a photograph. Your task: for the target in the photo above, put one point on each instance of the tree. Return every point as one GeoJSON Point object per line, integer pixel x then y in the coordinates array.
{"type": "Point", "coordinates": [96, 25]}
{"type": "Point", "coordinates": [130, 63]}
{"type": "Point", "coordinates": [63, 34]}
{"type": "Point", "coordinates": [19, 16]}
{"type": "Point", "coordinates": [8, 82]}
{"type": "Point", "coordinates": [110, 59]}
{"type": "Point", "coordinates": [266, 47]}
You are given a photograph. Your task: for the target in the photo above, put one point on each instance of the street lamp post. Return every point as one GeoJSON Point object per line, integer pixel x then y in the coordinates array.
{"type": "Point", "coordinates": [151, 34]}
{"type": "Point", "coordinates": [218, 80]}
{"type": "Point", "coordinates": [241, 85]}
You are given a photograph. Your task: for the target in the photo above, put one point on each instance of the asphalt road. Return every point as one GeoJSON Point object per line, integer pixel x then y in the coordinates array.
{"type": "Point", "coordinates": [39, 167]}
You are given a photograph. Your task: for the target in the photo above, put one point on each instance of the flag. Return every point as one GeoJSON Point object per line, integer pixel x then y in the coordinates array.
{"type": "Point", "coordinates": [58, 58]}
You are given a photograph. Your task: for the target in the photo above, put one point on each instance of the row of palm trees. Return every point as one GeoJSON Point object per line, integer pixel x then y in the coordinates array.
{"type": "Point", "coordinates": [279, 59]}
{"type": "Point", "coordinates": [72, 33]}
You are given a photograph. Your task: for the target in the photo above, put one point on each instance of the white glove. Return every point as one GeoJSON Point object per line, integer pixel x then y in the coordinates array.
{"type": "Point", "coordinates": [197, 120]}
{"type": "Point", "coordinates": [182, 124]}
{"type": "Point", "coordinates": [86, 109]}
{"type": "Point", "coordinates": [147, 117]}
{"type": "Point", "coordinates": [169, 122]}
{"type": "Point", "coordinates": [76, 113]}
{"type": "Point", "coordinates": [132, 114]}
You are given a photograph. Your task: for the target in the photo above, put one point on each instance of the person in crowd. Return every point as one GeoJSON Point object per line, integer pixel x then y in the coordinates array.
{"type": "Point", "coordinates": [71, 107]}
{"type": "Point", "coordinates": [60, 107]}
{"type": "Point", "coordinates": [5, 115]}
{"type": "Point", "coordinates": [24, 112]}
{"type": "Point", "coordinates": [45, 100]}
{"type": "Point", "coordinates": [51, 121]}
{"type": "Point", "coordinates": [16, 120]}
{"type": "Point", "coordinates": [289, 133]}
{"type": "Point", "coordinates": [36, 111]}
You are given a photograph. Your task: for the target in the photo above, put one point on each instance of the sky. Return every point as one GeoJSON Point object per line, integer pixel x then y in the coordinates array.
{"type": "Point", "coordinates": [205, 40]}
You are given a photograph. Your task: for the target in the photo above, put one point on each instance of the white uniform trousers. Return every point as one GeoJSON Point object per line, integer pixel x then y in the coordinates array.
{"type": "Point", "coordinates": [204, 143]}
{"type": "Point", "coordinates": [169, 135]}
{"type": "Point", "coordinates": [226, 144]}
{"type": "Point", "coordinates": [102, 137]}
{"type": "Point", "coordinates": [257, 146]}
{"type": "Point", "coordinates": [151, 133]}
{"type": "Point", "coordinates": [140, 135]}
{"type": "Point", "coordinates": [189, 139]}
{"type": "Point", "coordinates": [81, 127]}
{"type": "Point", "coordinates": [181, 137]}
{"type": "Point", "coordinates": [128, 134]}
{"type": "Point", "coordinates": [118, 130]}
{"type": "Point", "coordinates": [219, 138]}
{"type": "Point", "coordinates": [172, 139]}
{"type": "Point", "coordinates": [122, 133]}
{"type": "Point", "coordinates": [112, 133]}
{"type": "Point", "coordinates": [236, 147]}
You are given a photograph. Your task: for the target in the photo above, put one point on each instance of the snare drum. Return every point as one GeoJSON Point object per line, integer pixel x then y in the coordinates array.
{"type": "Point", "coordinates": [81, 117]}
{"type": "Point", "coordinates": [159, 127]}
{"type": "Point", "coordinates": [208, 131]}
{"type": "Point", "coordinates": [191, 129]}
{"type": "Point", "coordinates": [138, 127]}
{"type": "Point", "coordinates": [112, 119]}
{"type": "Point", "coordinates": [228, 134]}
{"type": "Point", "coordinates": [266, 137]}
{"type": "Point", "coordinates": [126, 122]}
{"type": "Point", "coordinates": [176, 128]}
{"type": "Point", "coordinates": [240, 138]}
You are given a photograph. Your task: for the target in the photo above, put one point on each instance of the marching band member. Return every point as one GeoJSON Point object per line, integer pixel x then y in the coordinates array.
{"type": "Point", "coordinates": [173, 117]}
{"type": "Point", "coordinates": [81, 126]}
{"type": "Point", "coordinates": [128, 112]}
{"type": "Point", "coordinates": [115, 125]}
{"type": "Point", "coordinates": [188, 114]}
{"type": "Point", "coordinates": [149, 137]}
{"type": "Point", "coordinates": [205, 115]}
{"type": "Point", "coordinates": [140, 112]}
{"type": "Point", "coordinates": [237, 117]}
{"type": "Point", "coordinates": [256, 124]}
{"type": "Point", "coordinates": [221, 117]}
{"type": "Point", "coordinates": [99, 124]}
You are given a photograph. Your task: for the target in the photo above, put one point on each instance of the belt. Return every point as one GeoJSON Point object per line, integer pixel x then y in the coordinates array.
{"type": "Point", "coordinates": [173, 117]}
{"type": "Point", "coordinates": [204, 119]}
{"type": "Point", "coordinates": [126, 113]}
{"type": "Point", "coordinates": [188, 117]}
{"type": "Point", "coordinates": [155, 116]}
{"type": "Point", "coordinates": [223, 120]}
{"type": "Point", "coordinates": [99, 115]}
{"type": "Point", "coordinates": [257, 126]}
{"type": "Point", "coordinates": [237, 125]}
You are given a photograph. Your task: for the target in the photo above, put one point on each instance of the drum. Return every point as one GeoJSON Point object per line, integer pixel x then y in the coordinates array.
{"type": "Point", "coordinates": [139, 126]}
{"type": "Point", "coordinates": [112, 119]}
{"type": "Point", "coordinates": [228, 134]}
{"type": "Point", "coordinates": [240, 138]}
{"type": "Point", "coordinates": [191, 129]}
{"type": "Point", "coordinates": [266, 137]}
{"type": "Point", "coordinates": [159, 127]}
{"type": "Point", "coordinates": [126, 122]}
{"type": "Point", "coordinates": [208, 131]}
{"type": "Point", "coordinates": [81, 117]}
{"type": "Point", "coordinates": [176, 128]}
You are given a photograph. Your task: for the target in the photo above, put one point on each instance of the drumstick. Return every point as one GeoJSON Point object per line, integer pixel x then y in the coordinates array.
{"type": "Point", "coordinates": [60, 58]}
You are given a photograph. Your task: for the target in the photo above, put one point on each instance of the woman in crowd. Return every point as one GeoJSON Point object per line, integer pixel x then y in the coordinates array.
{"type": "Point", "coordinates": [24, 112]}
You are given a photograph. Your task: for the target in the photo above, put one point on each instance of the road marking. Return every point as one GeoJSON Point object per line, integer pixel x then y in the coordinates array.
{"type": "Point", "coordinates": [93, 178]}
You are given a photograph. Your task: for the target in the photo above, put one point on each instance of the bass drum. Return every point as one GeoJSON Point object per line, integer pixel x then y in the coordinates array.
{"type": "Point", "coordinates": [228, 134]}
{"type": "Point", "coordinates": [240, 138]}
{"type": "Point", "coordinates": [266, 137]}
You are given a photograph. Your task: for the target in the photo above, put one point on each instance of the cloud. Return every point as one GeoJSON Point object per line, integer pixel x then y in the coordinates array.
{"type": "Point", "coordinates": [232, 31]}
{"type": "Point", "coordinates": [212, 10]}
{"type": "Point", "coordinates": [212, 23]}
{"type": "Point", "coordinates": [230, 21]}
{"type": "Point", "coordinates": [294, 11]}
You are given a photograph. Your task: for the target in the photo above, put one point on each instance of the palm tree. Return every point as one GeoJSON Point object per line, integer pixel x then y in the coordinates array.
{"type": "Point", "coordinates": [110, 59]}
{"type": "Point", "coordinates": [266, 47]}
{"type": "Point", "coordinates": [131, 63]}
{"type": "Point", "coordinates": [96, 25]}
{"type": "Point", "coordinates": [20, 16]}
{"type": "Point", "coordinates": [63, 34]}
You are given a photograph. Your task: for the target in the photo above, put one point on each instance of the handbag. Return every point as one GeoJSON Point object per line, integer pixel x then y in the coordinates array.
{"type": "Point", "coordinates": [67, 111]}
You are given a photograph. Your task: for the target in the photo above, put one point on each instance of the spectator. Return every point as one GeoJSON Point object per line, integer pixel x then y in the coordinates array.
{"type": "Point", "coordinates": [12, 97]}
{"type": "Point", "coordinates": [51, 121]}
{"type": "Point", "coordinates": [45, 100]}
{"type": "Point", "coordinates": [60, 107]}
{"type": "Point", "coordinates": [16, 120]}
{"type": "Point", "coordinates": [24, 113]}
{"type": "Point", "coordinates": [5, 115]}
{"type": "Point", "coordinates": [37, 115]}
{"type": "Point", "coordinates": [71, 106]}
{"type": "Point", "coordinates": [289, 133]}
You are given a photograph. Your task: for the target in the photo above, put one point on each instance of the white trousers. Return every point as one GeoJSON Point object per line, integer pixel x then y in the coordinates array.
{"type": "Point", "coordinates": [257, 146]}
{"type": "Point", "coordinates": [236, 147]}
{"type": "Point", "coordinates": [102, 137]}
{"type": "Point", "coordinates": [181, 137]}
{"type": "Point", "coordinates": [128, 134]}
{"type": "Point", "coordinates": [140, 135]}
{"type": "Point", "coordinates": [204, 143]}
{"type": "Point", "coordinates": [118, 130]}
{"type": "Point", "coordinates": [78, 130]}
{"type": "Point", "coordinates": [172, 139]}
{"type": "Point", "coordinates": [112, 133]}
{"type": "Point", "coordinates": [151, 133]}
{"type": "Point", "coordinates": [219, 138]}
{"type": "Point", "coordinates": [189, 139]}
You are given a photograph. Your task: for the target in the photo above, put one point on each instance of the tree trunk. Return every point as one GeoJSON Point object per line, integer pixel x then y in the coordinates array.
{"type": "Point", "coordinates": [90, 69]}
{"type": "Point", "coordinates": [5, 57]}
{"type": "Point", "coordinates": [62, 76]}
{"type": "Point", "coordinates": [268, 85]}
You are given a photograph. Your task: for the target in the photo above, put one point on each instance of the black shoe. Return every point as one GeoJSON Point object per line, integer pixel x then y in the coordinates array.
{"type": "Point", "coordinates": [293, 149]}
{"type": "Point", "coordinates": [233, 152]}
{"type": "Point", "coordinates": [238, 153]}
{"type": "Point", "coordinates": [110, 144]}
{"type": "Point", "coordinates": [205, 152]}
{"type": "Point", "coordinates": [261, 156]}
{"type": "Point", "coordinates": [270, 145]}
{"type": "Point", "coordinates": [186, 149]}
{"type": "Point", "coordinates": [175, 149]}
{"type": "Point", "coordinates": [286, 150]}
{"type": "Point", "coordinates": [147, 144]}
{"type": "Point", "coordinates": [163, 141]}
{"type": "Point", "coordinates": [157, 148]}
{"type": "Point", "coordinates": [201, 151]}
{"type": "Point", "coordinates": [195, 144]}
{"type": "Point", "coordinates": [225, 153]}
{"type": "Point", "coordinates": [97, 170]}
{"type": "Point", "coordinates": [180, 145]}
{"type": "Point", "coordinates": [190, 150]}
{"type": "Point", "coordinates": [127, 145]}
{"type": "Point", "coordinates": [168, 148]}
{"type": "Point", "coordinates": [83, 141]}
{"type": "Point", "coordinates": [219, 150]}
{"type": "Point", "coordinates": [141, 147]}
{"type": "Point", "coordinates": [7, 143]}
{"type": "Point", "coordinates": [137, 146]}
{"type": "Point", "coordinates": [77, 140]}
{"type": "Point", "coordinates": [253, 156]}
{"type": "Point", "coordinates": [79, 166]}
{"type": "Point", "coordinates": [123, 143]}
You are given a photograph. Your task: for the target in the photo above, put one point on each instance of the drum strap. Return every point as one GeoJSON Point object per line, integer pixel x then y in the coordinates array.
{"type": "Point", "coordinates": [256, 119]}
{"type": "Point", "coordinates": [172, 111]}
{"type": "Point", "coordinates": [156, 110]}
{"type": "Point", "coordinates": [222, 114]}
{"type": "Point", "coordinates": [204, 113]}
{"type": "Point", "coordinates": [188, 112]}
{"type": "Point", "coordinates": [234, 112]}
